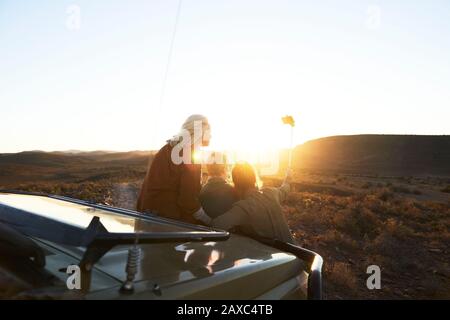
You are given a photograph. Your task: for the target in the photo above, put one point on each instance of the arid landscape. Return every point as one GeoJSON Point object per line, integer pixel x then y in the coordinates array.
{"type": "Point", "coordinates": [356, 200]}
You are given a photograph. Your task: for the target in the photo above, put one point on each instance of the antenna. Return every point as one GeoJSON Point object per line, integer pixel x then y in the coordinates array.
{"type": "Point", "coordinates": [157, 116]}
{"type": "Point", "coordinates": [133, 263]}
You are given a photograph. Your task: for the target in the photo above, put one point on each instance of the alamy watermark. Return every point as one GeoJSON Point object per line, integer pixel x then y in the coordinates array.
{"type": "Point", "coordinates": [187, 142]}
{"type": "Point", "coordinates": [73, 281]}
{"type": "Point", "coordinates": [73, 19]}
{"type": "Point", "coordinates": [373, 21]}
{"type": "Point", "coordinates": [374, 280]}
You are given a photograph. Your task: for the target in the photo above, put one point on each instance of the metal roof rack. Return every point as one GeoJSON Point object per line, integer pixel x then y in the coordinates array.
{"type": "Point", "coordinates": [41, 227]}
{"type": "Point", "coordinates": [95, 237]}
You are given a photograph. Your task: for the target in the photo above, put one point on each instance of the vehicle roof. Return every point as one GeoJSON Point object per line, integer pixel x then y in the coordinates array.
{"type": "Point", "coordinates": [75, 222]}
{"type": "Point", "coordinates": [210, 265]}
{"type": "Point", "coordinates": [214, 265]}
{"type": "Point", "coordinates": [81, 214]}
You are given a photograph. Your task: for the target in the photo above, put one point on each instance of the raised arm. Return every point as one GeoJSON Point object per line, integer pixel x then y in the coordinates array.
{"type": "Point", "coordinates": [285, 187]}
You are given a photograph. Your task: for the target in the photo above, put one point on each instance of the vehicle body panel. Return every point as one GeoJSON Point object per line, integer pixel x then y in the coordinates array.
{"type": "Point", "coordinates": [238, 268]}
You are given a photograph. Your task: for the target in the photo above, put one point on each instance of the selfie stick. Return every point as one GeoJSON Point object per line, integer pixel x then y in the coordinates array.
{"type": "Point", "coordinates": [290, 121]}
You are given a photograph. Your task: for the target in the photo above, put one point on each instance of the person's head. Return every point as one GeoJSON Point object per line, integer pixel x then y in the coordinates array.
{"type": "Point", "coordinates": [216, 165]}
{"type": "Point", "coordinates": [244, 177]}
{"type": "Point", "coordinates": [198, 127]}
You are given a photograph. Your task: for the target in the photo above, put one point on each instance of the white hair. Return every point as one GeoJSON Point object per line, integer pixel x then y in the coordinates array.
{"type": "Point", "coordinates": [189, 125]}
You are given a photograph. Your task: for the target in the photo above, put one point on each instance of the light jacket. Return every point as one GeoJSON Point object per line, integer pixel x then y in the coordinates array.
{"type": "Point", "coordinates": [259, 214]}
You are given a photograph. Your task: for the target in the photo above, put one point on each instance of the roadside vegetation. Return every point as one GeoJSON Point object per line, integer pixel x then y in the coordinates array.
{"type": "Point", "coordinates": [404, 230]}
{"type": "Point", "coordinates": [401, 224]}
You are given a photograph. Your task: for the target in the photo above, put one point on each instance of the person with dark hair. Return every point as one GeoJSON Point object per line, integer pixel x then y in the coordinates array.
{"type": "Point", "coordinates": [258, 213]}
{"type": "Point", "coordinates": [217, 195]}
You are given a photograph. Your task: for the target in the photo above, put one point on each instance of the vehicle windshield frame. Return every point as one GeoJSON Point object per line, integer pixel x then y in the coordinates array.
{"type": "Point", "coordinates": [34, 225]}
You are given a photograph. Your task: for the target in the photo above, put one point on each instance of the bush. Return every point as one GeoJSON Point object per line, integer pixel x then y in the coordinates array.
{"type": "Point", "coordinates": [385, 194]}
{"type": "Point", "coordinates": [367, 185]}
{"type": "Point", "coordinates": [357, 222]}
{"type": "Point", "coordinates": [340, 240]}
{"type": "Point", "coordinates": [401, 189]}
{"type": "Point", "coordinates": [341, 274]}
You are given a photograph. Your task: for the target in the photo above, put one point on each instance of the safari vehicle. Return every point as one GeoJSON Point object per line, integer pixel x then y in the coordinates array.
{"type": "Point", "coordinates": [122, 254]}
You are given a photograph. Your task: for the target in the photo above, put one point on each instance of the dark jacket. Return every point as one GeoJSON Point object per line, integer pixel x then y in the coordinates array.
{"type": "Point", "coordinates": [217, 197]}
{"type": "Point", "coordinates": [170, 190]}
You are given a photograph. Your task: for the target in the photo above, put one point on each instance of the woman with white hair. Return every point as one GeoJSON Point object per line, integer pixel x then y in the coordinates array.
{"type": "Point", "coordinates": [173, 181]}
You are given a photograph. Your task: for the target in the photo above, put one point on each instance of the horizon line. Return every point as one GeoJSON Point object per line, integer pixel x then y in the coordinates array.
{"type": "Point", "coordinates": [77, 151]}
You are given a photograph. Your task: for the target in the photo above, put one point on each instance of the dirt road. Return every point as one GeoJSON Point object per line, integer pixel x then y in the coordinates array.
{"type": "Point", "coordinates": [124, 195]}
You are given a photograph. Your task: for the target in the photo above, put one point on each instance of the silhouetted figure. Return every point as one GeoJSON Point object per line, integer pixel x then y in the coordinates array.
{"type": "Point", "coordinates": [258, 213]}
{"type": "Point", "coordinates": [217, 195]}
{"type": "Point", "coordinates": [173, 181]}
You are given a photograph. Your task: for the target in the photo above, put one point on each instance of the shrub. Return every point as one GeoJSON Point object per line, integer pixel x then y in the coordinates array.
{"type": "Point", "coordinates": [385, 194]}
{"type": "Point", "coordinates": [341, 274]}
{"type": "Point", "coordinates": [357, 222]}
{"type": "Point", "coordinates": [367, 185]}
{"type": "Point", "coordinates": [401, 189]}
{"type": "Point", "coordinates": [340, 240]}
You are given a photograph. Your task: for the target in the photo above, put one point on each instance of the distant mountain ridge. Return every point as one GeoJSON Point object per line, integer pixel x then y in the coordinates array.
{"type": "Point", "coordinates": [378, 154]}
{"type": "Point", "coordinates": [354, 154]}
{"type": "Point", "coordinates": [96, 152]}
{"type": "Point", "coordinates": [60, 157]}
{"type": "Point", "coordinates": [39, 166]}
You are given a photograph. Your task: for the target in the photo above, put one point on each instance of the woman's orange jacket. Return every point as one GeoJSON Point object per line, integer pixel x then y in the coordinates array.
{"type": "Point", "coordinates": [170, 190]}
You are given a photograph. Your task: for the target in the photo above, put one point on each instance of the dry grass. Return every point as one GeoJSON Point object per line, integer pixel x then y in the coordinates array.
{"type": "Point", "coordinates": [96, 192]}
{"type": "Point", "coordinates": [353, 222]}
{"type": "Point", "coordinates": [342, 277]}
{"type": "Point", "coordinates": [379, 224]}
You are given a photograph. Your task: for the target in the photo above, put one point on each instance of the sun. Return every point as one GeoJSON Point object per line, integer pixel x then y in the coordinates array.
{"type": "Point", "coordinates": [198, 156]}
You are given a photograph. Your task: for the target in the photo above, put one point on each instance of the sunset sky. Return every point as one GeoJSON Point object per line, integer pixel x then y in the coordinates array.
{"type": "Point", "coordinates": [89, 75]}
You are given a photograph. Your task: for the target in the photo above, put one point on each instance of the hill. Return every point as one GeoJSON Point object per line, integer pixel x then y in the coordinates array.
{"type": "Point", "coordinates": [351, 204]}
{"type": "Point", "coordinates": [376, 154]}
{"type": "Point", "coordinates": [38, 166]}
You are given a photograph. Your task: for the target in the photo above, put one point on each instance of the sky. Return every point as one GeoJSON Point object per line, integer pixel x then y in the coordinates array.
{"type": "Point", "coordinates": [101, 75]}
